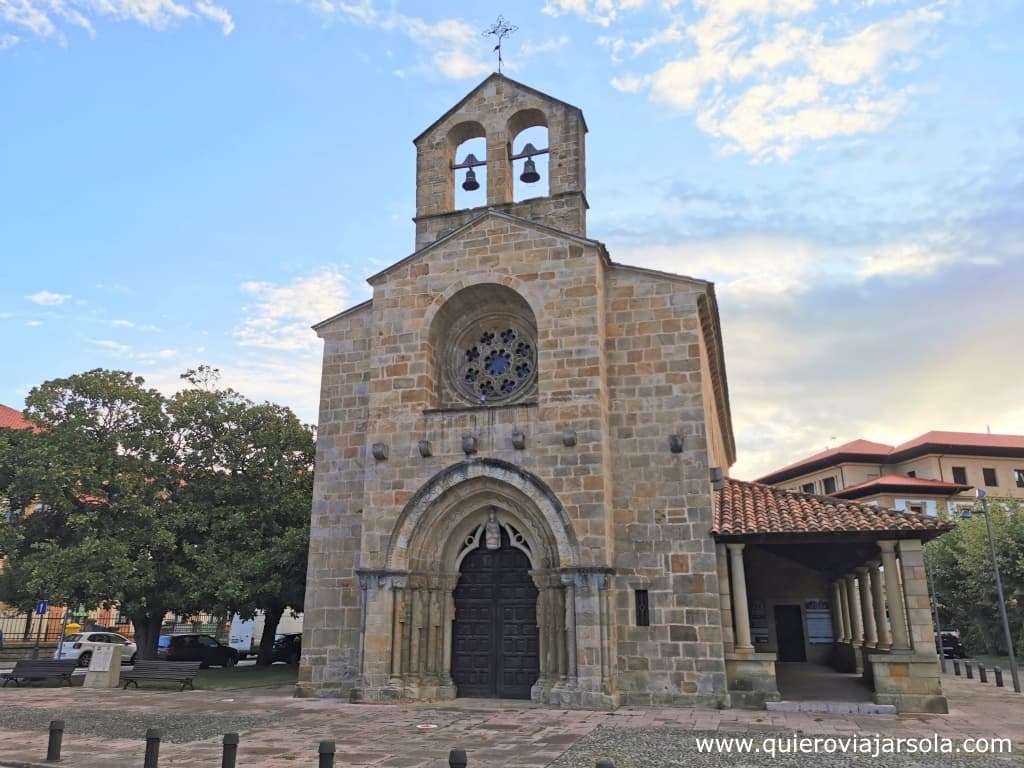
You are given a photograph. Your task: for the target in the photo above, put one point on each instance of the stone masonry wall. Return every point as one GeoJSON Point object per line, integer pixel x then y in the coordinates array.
{"type": "Point", "coordinates": [331, 623]}
{"type": "Point", "coordinates": [662, 500]}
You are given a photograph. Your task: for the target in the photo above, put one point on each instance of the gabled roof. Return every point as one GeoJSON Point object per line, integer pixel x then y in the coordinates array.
{"type": "Point", "coordinates": [489, 78]}
{"type": "Point", "coordinates": [488, 213]}
{"type": "Point", "coordinates": [745, 509]}
{"type": "Point", "coordinates": [12, 419]}
{"type": "Point", "coordinates": [865, 451]}
{"type": "Point", "coordinates": [899, 483]}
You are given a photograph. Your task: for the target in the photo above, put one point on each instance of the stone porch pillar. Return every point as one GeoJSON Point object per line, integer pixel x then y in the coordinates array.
{"type": "Point", "coordinates": [894, 597]}
{"type": "Point", "coordinates": [878, 597]}
{"type": "Point", "coordinates": [837, 612]}
{"type": "Point", "coordinates": [844, 606]}
{"type": "Point", "coordinates": [569, 581]}
{"type": "Point", "coordinates": [853, 605]}
{"type": "Point", "coordinates": [915, 588]}
{"type": "Point", "coordinates": [741, 610]}
{"type": "Point", "coordinates": [867, 605]}
{"type": "Point", "coordinates": [725, 598]}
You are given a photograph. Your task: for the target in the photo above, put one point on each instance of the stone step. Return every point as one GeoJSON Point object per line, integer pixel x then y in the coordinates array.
{"type": "Point", "coordinates": [832, 707]}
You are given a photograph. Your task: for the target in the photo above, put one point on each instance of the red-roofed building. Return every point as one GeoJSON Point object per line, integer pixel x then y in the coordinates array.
{"type": "Point", "coordinates": [12, 419]}
{"type": "Point", "coordinates": [930, 474]}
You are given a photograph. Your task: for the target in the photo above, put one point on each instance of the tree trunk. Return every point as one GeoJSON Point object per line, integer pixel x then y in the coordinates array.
{"type": "Point", "coordinates": [147, 631]}
{"type": "Point", "coordinates": [271, 618]}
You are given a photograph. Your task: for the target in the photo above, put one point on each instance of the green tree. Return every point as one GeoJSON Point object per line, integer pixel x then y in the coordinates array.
{"type": "Point", "coordinates": [195, 503]}
{"type": "Point", "coordinates": [961, 564]}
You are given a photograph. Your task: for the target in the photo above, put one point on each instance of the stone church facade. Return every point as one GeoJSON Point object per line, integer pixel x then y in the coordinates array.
{"type": "Point", "coordinates": [511, 394]}
{"type": "Point", "coordinates": [521, 476]}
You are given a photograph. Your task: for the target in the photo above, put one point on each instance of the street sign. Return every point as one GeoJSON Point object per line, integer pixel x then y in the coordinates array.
{"type": "Point", "coordinates": [42, 607]}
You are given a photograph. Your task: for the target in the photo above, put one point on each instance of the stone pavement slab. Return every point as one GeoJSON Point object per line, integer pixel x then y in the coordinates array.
{"type": "Point", "coordinates": [107, 728]}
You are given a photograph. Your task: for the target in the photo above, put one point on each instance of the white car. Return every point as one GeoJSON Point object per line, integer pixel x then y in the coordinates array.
{"type": "Point", "coordinates": [81, 646]}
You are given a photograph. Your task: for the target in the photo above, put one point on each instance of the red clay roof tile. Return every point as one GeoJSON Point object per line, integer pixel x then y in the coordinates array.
{"type": "Point", "coordinates": [750, 509]}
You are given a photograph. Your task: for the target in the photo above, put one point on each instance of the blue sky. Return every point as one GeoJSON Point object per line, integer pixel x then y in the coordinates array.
{"type": "Point", "coordinates": [187, 181]}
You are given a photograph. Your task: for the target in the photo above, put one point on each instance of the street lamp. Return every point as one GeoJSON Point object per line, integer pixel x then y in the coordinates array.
{"type": "Point", "coordinates": [1014, 673]}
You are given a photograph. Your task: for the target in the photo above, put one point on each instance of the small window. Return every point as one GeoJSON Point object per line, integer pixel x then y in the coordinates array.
{"type": "Point", "coordinates": [918, 509]}
{"type": "Point", "coordinates": [643, 611]}
{"type": "Point", "coordinates": [960, 475]}
{"type": "Point", "coordinates": [989, 473]}
{"type": "Point", "coordinates": [807, 487]}
{"type": "Point", "coordinates": [828, 486]}
{"type": "Point", "coordinates": [1018, 476]}
{"type": "Point", "coordinates": [912, 473]}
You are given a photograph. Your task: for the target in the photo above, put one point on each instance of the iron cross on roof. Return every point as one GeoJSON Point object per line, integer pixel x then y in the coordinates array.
{"type": "Point", "coordinates": [500, 30]}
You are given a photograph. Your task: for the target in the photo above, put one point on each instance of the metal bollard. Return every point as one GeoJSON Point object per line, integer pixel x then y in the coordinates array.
{"type": "Point", "coordinates": [982, 674]}
{"type": "Point", "coordinates": [327, 750]}
{"type": "Point", "coordinates": [605, 763]}
{"type": "Point", "coordinates": [457, 758]}
{"type": "Point", "coordinates": [230, 750]}
{"type": "Point", "coordinates": [152, 748]}
{"type": "Point", "coordinates": [969, 670]}
{"type": "Point", "coordinates": [956, 667]}
{"type": "Point", "coordinates": [999, 677]}
{"type": "Point", "coordinates": [53, 746]}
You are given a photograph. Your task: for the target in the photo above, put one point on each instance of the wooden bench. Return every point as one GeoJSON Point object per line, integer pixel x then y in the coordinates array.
{"type": "Point", "coordinates": [183, 672]}
{"type": "Point", "coordinates": [40, 669]}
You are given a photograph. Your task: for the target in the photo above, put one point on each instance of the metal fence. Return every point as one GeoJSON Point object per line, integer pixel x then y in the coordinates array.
{"type": "Point", "coordinates": [25, 629]}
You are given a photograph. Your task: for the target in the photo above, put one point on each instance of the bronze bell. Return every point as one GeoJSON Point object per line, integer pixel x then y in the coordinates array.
{"type": "Point", "coordinates": [530, 174]}
{"type": "Point", "coordinates": [470, 184]}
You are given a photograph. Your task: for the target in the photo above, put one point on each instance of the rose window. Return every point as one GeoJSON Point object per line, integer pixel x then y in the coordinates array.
{"type": "Point", "coordinates": [494, 361]}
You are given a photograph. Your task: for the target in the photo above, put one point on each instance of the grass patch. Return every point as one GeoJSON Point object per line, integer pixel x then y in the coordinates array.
{"type": "Point", "coordinates": [234, 678]}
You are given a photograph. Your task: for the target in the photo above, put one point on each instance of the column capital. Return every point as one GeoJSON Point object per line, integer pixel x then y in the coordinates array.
{"type": "Point", "coordinates": [888, 545]}
{"type": "Point", "coordinates": [735, 546]}
{"type": "Point", "coordinates": [861, 570]}
{"type": "Point", "coordinates": [910, 545]}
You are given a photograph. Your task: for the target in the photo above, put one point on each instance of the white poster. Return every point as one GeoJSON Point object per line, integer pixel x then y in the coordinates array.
{"type": "Point", "coordinates": [819, 622]}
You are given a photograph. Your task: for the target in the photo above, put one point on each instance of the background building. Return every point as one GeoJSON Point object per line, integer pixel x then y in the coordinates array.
{"type": "Point", "coordinates": [932, 473]}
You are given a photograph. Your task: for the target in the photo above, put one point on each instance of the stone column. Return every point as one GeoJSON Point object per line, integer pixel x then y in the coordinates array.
{"type": "Point", "coordinates": [853, 605]}
{"type": "Point", "coordinates": [741, 610]}
{"type": "Point", "coordinates": [838, 634]}
{"type": "Point", "coordinates": [398, 625]}
{"type": "Point", "coordinates": [915, 587]}
{"type": "Point", "coordinates": [448, 629]}
{"type": "Point", "coordinates": [415, 622]}
{"type": "Point", "coordinates": [844, 605]}
{"type": "Point", "coordinates": [569, 581]}
{"type": "Point", "coordinates": [725, 598]}
{"type": "Point", "coordinates": [894, 597]}
{"type": "Point", "coordinates": [878, 597]}
{"type": "Point", "coordinates": [867, 606]}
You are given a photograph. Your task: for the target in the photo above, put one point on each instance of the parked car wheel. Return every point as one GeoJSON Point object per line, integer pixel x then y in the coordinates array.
{"type": "Point", "coordinates": [132, 659]}
{"type": "Point", "coordinates": [84, 658]}
{"type": "Point", "coordinates": [230, 661]}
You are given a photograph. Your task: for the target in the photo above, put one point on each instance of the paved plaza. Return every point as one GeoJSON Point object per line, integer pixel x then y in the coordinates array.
{"type": "Point", "coordinates": [107, 728]}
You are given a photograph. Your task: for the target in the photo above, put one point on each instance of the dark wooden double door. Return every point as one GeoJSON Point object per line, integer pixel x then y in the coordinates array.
{"type": "Point", "coordinates": [495, 645]}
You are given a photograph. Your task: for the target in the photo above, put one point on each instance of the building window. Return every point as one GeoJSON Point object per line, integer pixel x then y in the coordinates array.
{"type": "Point", "coordinates": [495, 361]}
{"type": "Point", "coordinates": [912, 473]}
{"type": "Point", "coordinates": [989, 474]}
{"type": "Point", "coordinates": [643, 611]}
{"type": "Point", "coordinates": [960, 475]}
{"type": "Point", "coordinates": [1018, 476]}
{"type": "Point", "coordinates": [807, 487]}
{"type": "Point", "coordinates": [828, 486]}
{"type": "Point", "coordinates": [917, 508]}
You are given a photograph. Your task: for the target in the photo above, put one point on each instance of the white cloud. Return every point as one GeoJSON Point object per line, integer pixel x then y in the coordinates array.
{"type": "Point", "coordinates": [551, 45]}
{"type": "Point", "coordinates": [282, 315]}
{"type": "Point", "coordinates": [781, 269]}
{"type": "Point", "coordinates": [452, 45]}
{"type": "Point", "coordinates": [33, 323]}
{"type": "Point", "coordinates": [8, 40]}
{"type": "Point", "coordinates": [767, 81]}
{"type": "Point", "coordinates": [601, 12]}
{"type": "Point", "coordinates": [123, 324]}
{"type": "Point", "coordinates": [112, 346]}
{"type": "Point", "coordinates": [48, 298]}
{"type": "Point", "coordinates": [47, 18]}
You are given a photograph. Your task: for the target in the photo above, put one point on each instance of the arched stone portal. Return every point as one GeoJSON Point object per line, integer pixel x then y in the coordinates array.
{"type": "Point", "coordinates": [409, 607]}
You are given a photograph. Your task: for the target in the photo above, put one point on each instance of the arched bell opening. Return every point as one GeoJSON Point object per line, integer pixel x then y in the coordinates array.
{"type": "Point", "coordinates": [528, 150]}
{"type": "Point", "coordinates": [467, 144]}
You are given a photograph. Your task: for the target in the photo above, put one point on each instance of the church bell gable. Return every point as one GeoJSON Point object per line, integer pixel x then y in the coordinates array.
{"type": "Point", "coordinates": [498, 111]}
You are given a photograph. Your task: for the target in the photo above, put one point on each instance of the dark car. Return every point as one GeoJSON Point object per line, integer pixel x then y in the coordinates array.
{"type": "Point", "coordinates": [288, 648]}
{"type": "Point", "coordinates": [202, 648]}
{"type": "Point", "coordinates": [952, 648]}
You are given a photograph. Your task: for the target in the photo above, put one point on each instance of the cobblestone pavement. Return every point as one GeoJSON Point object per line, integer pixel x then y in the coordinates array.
{"type": "Point", "coordinates": [106, 728]}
